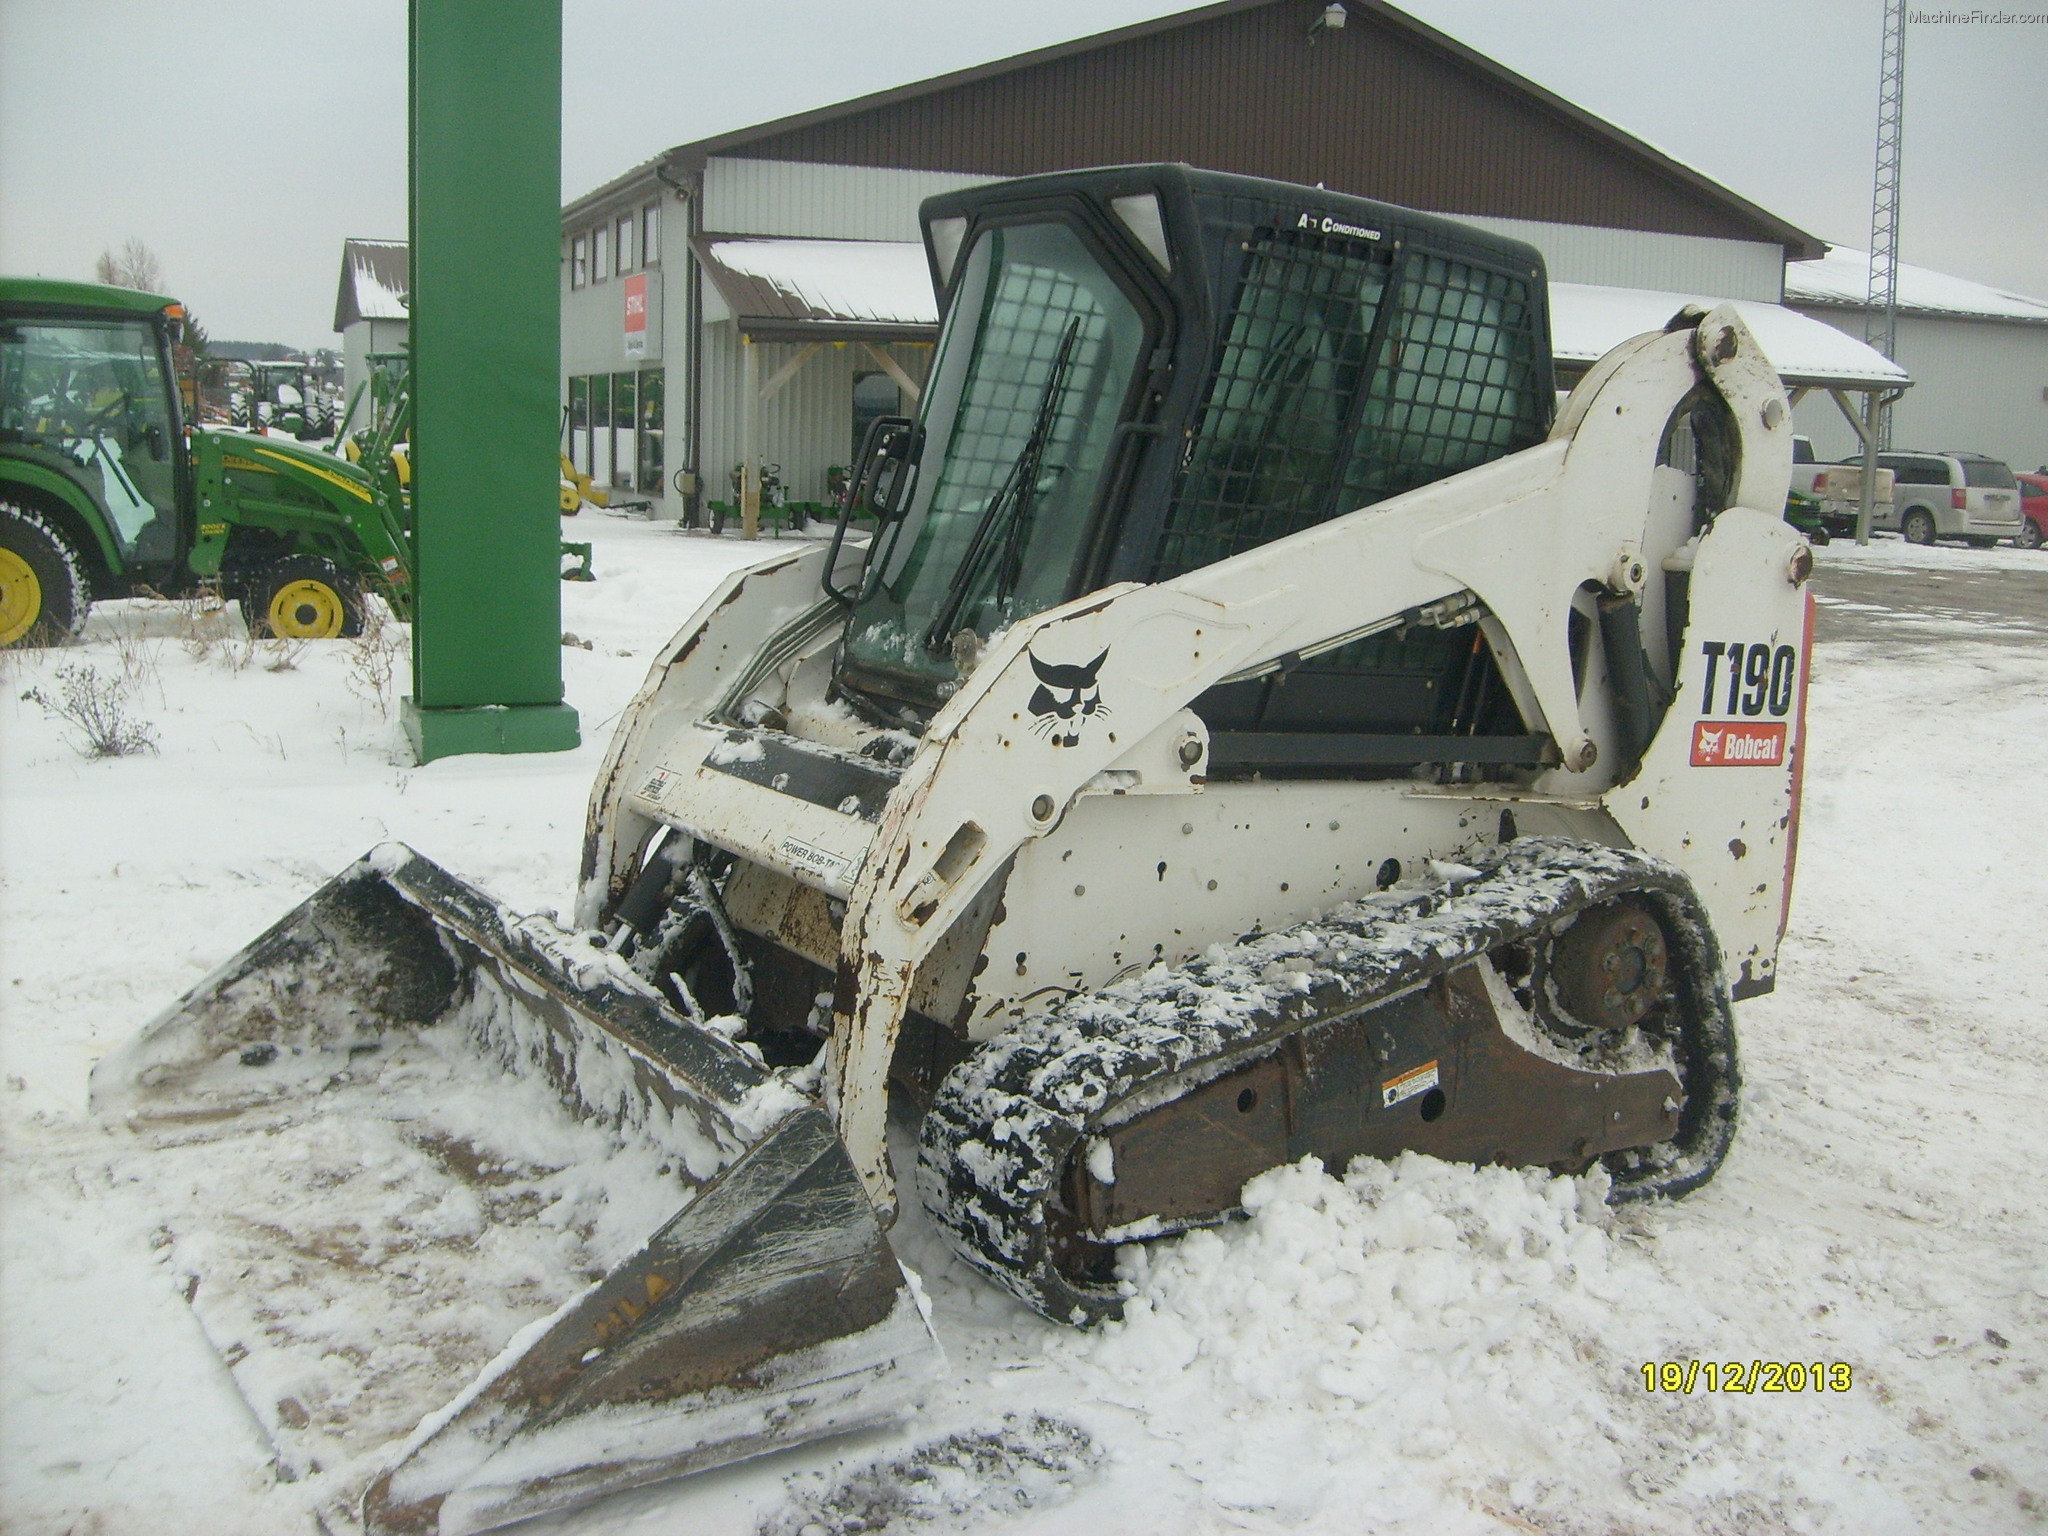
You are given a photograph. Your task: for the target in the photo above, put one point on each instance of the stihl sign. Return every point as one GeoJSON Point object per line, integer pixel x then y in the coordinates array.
{"type": "Point", "coordinates": [636, 315]}
{"type": "Point", "coordinates": [1738, 744]}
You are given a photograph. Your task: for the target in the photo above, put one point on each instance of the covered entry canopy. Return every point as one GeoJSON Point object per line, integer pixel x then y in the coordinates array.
{"type": "Point", "coordinates": [823, 290]}
{"type": "Point", "coordinates": [814, 292]}
{"type": "Point", "coordinates": [1587, 322]}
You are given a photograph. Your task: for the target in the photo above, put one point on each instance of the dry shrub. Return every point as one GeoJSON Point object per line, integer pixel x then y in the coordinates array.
{"type": "Point", "coordinates": [95, 708]}
{"type": "Point", "coordinates": [374, 657]}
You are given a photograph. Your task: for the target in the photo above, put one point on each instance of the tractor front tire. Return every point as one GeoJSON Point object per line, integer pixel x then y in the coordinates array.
{"type": "Point", "coordinates": [43, 593]}
{"type": "Point", "coordinates": [303, 597]}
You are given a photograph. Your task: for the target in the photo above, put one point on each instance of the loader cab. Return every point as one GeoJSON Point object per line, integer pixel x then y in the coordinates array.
{"type": "Point", "coordinates": [1144, 370]}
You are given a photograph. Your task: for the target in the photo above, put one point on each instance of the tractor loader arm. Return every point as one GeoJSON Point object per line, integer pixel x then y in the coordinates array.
{"type": "Point", "coordinates": [1092, 696]}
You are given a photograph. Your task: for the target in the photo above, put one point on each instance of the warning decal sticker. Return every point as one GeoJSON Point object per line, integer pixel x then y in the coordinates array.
{"type": "Point", "coordinates": [1415, 1080]}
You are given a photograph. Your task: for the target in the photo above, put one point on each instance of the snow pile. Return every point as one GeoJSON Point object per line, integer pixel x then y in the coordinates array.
{"type": "Point", "coordinates": [1446, 1348]}
{"type": "Point", "coordinates": [1028, 1464]}
{"type": "Point", "coordinates": [1356, 1330]}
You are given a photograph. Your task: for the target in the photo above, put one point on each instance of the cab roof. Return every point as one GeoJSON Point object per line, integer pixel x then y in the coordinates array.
{"type": "Point", "coordinates": [58, 294]}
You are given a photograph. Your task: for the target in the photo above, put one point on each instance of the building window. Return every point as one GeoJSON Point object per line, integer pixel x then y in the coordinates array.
{"type": "Point", "coordinates": [579, 261]}
{"type": "Point", "coordinates": [625, 418]}
{"type": "Point", "coordinates": [600, 468]}
{"type": "Point", "coordinates": [626, 257]}
{"type": "Point", "coordinates": [650, 234]}
{"type": "Point", "coordinates": [579, 424]}
{"type": "Point", "coordinates": [601, 257]}
{"type": "Point", "coordinates": [650, 465]}
{"type": "Point", "coordinates": [874, 394]}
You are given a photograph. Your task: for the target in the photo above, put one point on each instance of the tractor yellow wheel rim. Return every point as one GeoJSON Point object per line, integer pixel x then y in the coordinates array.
{"type": "Point", "coordinates": [21, 597]}
{"type": "Point", "coordinates": [306, 610]}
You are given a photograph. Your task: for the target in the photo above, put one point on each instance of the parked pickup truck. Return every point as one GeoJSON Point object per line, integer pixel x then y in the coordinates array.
{"type": "Point", "coordinates": [1831, 495]}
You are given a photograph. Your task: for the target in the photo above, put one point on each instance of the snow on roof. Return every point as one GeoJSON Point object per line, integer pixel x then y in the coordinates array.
{"type": "Point", "coordinates": [374, 278]}
{"type": "Point", "coordinates": [1843, 277]}
{"type": "Point", "coordinates": [1588, 321]}
{"type": "Point", "coordinates": [817, 283]}
{"type": "Point", "coordinates": [864, 282]}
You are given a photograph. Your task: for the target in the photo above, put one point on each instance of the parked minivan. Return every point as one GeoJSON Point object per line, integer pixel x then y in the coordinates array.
{"type": "Point", "coordinates": [1951, 495]}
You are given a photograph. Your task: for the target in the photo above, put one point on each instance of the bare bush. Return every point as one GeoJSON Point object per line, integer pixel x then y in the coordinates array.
{"type": "Point", "coordinates": [96, 710]}
{"type": "Point", "coordinates": [206, 623]}
{"type": "Point", "coordinates": [283, 654]}
{"type": "Point", "coordinates": [374, 656]}
{"type": "Point", "coordinates": [137, 650]}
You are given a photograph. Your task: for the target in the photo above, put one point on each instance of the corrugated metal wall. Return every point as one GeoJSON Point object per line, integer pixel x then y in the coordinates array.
{"type": "Point", "coordinates": [837, 202]}
{"type": "Point", "coordinates": [1980, 385]}
{"type": "Point", "coordinates": [1629, 258]}
{"type": "Point", "coordinates": [808, 424]}
{"type": "Point", "coordinates": [1366, 110]}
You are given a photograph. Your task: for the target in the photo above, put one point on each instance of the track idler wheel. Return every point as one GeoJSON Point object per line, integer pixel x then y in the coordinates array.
{"type": "Point", "coordinates": [1611, 967]}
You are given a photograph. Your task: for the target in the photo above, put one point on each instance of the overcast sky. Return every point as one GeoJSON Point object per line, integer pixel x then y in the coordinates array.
{"type": "Point", "coordinates": [244, 139]}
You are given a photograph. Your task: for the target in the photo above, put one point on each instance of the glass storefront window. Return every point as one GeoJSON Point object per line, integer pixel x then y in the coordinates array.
{"type": "Point", "coordinates": [651, 428]}
{"type": "Point", "coordinates": [625, 416]}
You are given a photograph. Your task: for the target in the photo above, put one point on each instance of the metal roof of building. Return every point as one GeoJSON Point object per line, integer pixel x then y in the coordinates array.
{"type": "Point", "coordinates": [1841, 279]}
{"type": "Point", "coordinates": [375, 277]}
{"type": "Point", "coordinates": [786, 290]}
{"type": "Point", "coordinates": [823, 290]}
{"type": "Point", "coordinates": [1387, 107]}
{"type": "Point", "coordinates": [1588, 321]}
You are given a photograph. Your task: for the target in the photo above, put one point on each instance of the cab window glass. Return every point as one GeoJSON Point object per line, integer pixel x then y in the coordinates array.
{"type": "Point", "coordinates": [94, 395]}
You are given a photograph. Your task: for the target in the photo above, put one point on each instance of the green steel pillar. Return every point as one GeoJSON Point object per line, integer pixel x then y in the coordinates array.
{"type": "Point", "coordinates": [486, 135]}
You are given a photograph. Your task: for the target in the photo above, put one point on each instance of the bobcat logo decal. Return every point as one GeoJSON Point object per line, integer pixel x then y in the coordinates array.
{"type": "Point", "coordinates": [1065, 699]}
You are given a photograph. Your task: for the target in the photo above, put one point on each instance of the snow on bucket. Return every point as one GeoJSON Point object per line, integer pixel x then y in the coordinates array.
{"type": "Point", "coordinates": [482, 1229]}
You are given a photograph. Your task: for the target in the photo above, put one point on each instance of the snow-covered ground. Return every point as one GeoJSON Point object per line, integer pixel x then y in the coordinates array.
{"type": "Point", "coordinates": [1418, 1347]}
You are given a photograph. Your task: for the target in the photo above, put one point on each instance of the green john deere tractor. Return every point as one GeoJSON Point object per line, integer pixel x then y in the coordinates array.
{"type": "Point", "coordinates": [105, 490]}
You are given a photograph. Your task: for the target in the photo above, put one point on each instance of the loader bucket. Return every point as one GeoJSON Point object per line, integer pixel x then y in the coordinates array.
{"type": "Point", "coordinates": [482, 1229]}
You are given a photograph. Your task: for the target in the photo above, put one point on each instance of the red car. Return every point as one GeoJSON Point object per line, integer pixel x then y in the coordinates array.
{"type": "Point", "coordinates": [2033, 509]}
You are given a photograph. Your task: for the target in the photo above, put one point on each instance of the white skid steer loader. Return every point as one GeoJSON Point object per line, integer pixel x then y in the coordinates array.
{"type": "Point", "coordinates": [1255, 729]}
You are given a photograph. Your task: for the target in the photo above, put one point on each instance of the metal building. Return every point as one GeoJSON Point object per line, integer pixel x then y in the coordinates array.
{"type": "Point", "coordinates": [740, 292]}
{"type": "Point", "coordinates": [1978, 354]}
{"type": "Point", "coordinates": [370, 309]}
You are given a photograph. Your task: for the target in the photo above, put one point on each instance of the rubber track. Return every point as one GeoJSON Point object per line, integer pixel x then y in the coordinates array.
{"type": "Point", "coordinates": [1006, 1122]}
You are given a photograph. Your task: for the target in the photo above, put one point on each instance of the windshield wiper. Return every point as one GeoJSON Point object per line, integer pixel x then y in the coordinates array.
{"type": "Point", "coordinates": [1015, 495]}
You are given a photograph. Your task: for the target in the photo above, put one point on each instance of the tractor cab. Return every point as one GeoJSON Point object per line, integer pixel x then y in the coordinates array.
{"type": "Point", "coordinates": [1144, 370]}
{"type": "Point", "coordinates": [107, 488]}
{"type": "Point", "coordinates": [89, 409]}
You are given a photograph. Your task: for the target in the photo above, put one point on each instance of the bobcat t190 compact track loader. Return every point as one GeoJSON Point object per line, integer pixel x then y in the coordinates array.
{"type": "Point", "coordinates": [1263, 725]}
